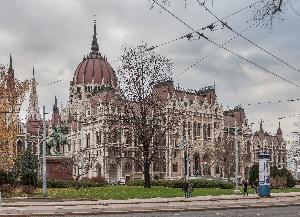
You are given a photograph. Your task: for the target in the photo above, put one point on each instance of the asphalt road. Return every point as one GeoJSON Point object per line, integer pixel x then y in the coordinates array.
{"type": "Point", "coordinates": [291, 211]}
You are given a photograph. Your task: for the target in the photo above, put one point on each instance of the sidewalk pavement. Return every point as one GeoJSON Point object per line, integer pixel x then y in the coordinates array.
{"type": "Point", "coordinates": [42, 207]}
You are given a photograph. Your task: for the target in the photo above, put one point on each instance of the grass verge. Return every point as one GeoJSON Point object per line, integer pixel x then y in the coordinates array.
{"type": "Point", "coordinates": [130, 192]}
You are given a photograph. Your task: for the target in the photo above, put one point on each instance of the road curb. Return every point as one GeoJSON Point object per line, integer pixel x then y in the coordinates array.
{"type": "Point", "coordinates": [105, 212]}
{"type": "Point", "coordinates": [120, 202]}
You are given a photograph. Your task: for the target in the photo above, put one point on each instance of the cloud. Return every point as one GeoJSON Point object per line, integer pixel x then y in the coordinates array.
{"type": "Point", "coordinates": [54, 35]}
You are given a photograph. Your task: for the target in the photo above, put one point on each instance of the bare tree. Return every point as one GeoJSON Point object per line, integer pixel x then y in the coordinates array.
{"type": "Point", "coordinates": [268, 10]}
{"type": "Point", "coordinates": [144, 111]}
{"type": "Point", "coordinates": [264, 11]}
{"type": "Point", "coordinates": [81, 161]}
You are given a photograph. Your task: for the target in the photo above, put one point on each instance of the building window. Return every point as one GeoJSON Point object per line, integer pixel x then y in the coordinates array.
{"type": "Point", "coordinates": [138, 168]}
{"type": "Point", "coordinates": [73, 146]}
{"type": "Point", "coordinates": [175, 154]}
{"type": "Point", "coordinates": [194, 130]}
{"type": "Point", "coordinates": [209, 131]}
{"type": "Point", "coordinates": [98, 138]}
{"type": "Point", "coordinates": [127, 167]}
{"type": "Point", "coordinates": [204, 132]}
{"type": "Point", "coordinates": [88, 139]}
{"type": "Point", "coordinates": [175, 168]}
{"type": "Point", "coordinates": [198, 129]}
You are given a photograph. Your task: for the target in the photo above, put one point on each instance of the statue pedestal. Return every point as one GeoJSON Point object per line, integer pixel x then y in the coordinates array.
{"type": "Point", "coordinates": [54, 170]}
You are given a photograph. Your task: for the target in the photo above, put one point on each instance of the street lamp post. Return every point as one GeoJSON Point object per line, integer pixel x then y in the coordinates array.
{"type": "Point", "coordinates": [38, 153]}
{"type": "Point", "coordinates": [236, 191]}
{"type": "Point", "coordinates": [45, 193]}
{"type": "Point", "coordinates": [186, 146]}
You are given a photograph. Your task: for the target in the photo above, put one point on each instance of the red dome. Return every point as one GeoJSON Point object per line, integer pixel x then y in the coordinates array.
{"type": "Point", "coordinates": [95, 69]}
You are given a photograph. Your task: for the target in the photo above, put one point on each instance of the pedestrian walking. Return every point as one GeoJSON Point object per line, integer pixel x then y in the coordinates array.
{"type": "Point", "coordinates": [190, 189]}
{"type": "Point", "coordinates": [245, 187]}
{"type": "Point", "coordinates": [185, 189]}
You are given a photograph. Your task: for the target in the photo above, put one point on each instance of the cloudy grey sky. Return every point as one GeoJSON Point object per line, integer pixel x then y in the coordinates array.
{"type": "Point", "coordinates": [54, 35]}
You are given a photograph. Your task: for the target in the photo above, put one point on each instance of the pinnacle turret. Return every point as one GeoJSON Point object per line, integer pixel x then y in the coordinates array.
{"type": "Point", "coordinates": [10, 68]}
{"type": "Point", "coordinates": [95, 46]}
{"type": "Point", "coordinates": [279, 131]}
{"type": "Point", "coordinates": [261, 126]}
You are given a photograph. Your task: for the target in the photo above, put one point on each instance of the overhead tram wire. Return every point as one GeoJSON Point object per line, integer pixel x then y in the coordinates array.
{"type": "Point", "coordinates": [205, 27]}
{"type": "Point", "coordinates": [245, 38]}
{"type": "Point", "coordinates": [212, 52]}
{"type": "Point", "coordinates": [201, 35]}
{"type": "Point", "coordinates": [294, 9]}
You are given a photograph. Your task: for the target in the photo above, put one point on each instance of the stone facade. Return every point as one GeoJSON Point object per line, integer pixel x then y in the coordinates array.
{"type": "Point", "coordinates": [211, 132]}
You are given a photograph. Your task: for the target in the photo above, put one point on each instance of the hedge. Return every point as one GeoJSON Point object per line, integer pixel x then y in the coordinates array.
{"type": "Point", "coordinates": [275, 173]}
{"type": "Point", "coordinates": [85, 183]}
{"type": "Point", "coordinates": [6, 177]}
{"type": "Point", "coordinates": [198, 183]}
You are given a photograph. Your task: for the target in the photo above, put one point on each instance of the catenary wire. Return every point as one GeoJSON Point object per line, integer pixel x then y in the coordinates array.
{"type": "Point", "coordinates": [212, 52]}
{"type": "Point", "coordinates": [205, 27]}
{"type": "Point", "coordinates": [245, 38]}
{"type": "Point", "coordinates": [201, 35]}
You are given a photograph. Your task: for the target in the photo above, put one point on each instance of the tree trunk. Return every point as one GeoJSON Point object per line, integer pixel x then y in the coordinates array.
{"type": "Point", "coordinates": [147, 179]}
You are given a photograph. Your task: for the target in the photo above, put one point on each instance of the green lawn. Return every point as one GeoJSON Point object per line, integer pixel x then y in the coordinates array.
{"type": "Point", "coordinates": [128, 192]}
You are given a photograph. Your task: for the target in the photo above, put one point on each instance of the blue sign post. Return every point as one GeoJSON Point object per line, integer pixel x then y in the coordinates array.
{"type": "Point", "coordinates": [264, 175]}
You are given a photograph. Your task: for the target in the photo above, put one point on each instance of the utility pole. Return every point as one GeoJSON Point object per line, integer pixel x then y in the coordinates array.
{"type": "Point", "coordinates": [26, 143]}
{"type": "Point", "coordinates": [44, 155]}
{"type": "Point", "coordinates": [185, 146]}
{"type": "Point", "coordinates": [237, 191]}
{"type": "Point", "coordinates": [187, 161]}
{"type": "Point", "coordinates": [296, 171]}
{"type": "Point", "coordinates": [296, 174]}
{"type": "Point", "coordinates": [38, 153]}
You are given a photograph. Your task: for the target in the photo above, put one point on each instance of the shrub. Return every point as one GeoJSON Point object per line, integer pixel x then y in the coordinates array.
{"type": "Point", "coordinates": [28, 190]}
{"type": "Point", "coordinates": [3, 177]}
{"type": "Point", "coordinates": [135, 182]}
{"type": "Point", "coordinates": [275, 173]}
{"type": "Point", "coordinates": [6, 190]}
{"type": "Point", "coordinates": [99, 180]}
{"type": "Point", "coordinates": [6, 177]}
{"type": "Point", "coordinates": [291, 182]}
{"type": "Point", "coordinates": [83, 183]}
{"type": "Point", "coordinates": [28, 178]}
{"type": "Point", "coordinates": [198, 183]}
{"type": "Point", "coordinates": [253, 174]}
{"type": "Point", "coordinates": [278, 182]}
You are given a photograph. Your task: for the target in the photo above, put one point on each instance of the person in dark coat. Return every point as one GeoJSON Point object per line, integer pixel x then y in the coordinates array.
{"type": "Point", "coordinates": [245, 187]}
{"type": "Point", "coordinates": [185, 189]}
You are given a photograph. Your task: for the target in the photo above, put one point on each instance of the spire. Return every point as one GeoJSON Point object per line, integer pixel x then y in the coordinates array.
{"type": "Point", "coordinates": [10, 69]}
{"type": "Point", "coordinates": [10, 62]}
{"type": "Point", "coordinates": [279, 131]}
{"type": "Point", "coordinates": [55, 108]}
{"type": "Point", "coordinates": [33, 108]}
{"type": "Point", "coordinates": [55, 116]}
{"type": "Point", "coordinates": [261, 126]}
{"type": "Point", "coordinates": [95, 46]}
